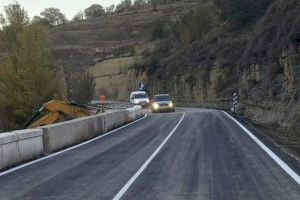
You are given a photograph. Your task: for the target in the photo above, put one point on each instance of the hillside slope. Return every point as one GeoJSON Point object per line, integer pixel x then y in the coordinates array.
{"type": "Point", "coordinates": [260, 61]}
{"type": "Point", "coordinates": [116, 42]}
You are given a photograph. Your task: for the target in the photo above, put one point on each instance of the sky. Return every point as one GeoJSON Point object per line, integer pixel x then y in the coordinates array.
{"type": "Point", "coordinates": [68, 7]}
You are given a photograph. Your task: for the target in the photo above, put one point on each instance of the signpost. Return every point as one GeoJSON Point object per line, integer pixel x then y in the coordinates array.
{"type": "Point", "coordinates": [142, 87]}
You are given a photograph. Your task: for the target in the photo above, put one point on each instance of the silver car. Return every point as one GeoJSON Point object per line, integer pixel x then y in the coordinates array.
{"type": "Point", "coordinates": [162, 103]}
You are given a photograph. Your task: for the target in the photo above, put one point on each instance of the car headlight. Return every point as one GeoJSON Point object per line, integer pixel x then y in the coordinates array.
{"type": "Point", "coordinates": [171, 105]}
{"type": "Point", "coordinates": [148, 101]}
{"type": "Point", "coordinates": [155, 106]}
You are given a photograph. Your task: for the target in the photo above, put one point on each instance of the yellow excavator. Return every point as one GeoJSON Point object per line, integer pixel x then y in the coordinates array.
{"type": "Point", "coordinates": [57, 111]}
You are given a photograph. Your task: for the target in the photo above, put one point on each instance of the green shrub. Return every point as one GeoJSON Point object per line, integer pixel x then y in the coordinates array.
{"type": "Point", "coordinates": [195, 25]}
{"type": "Point", "coordinates": [158, 30]}
{"type": "Point", "coordinates": [83, 88]}
{"type": "Point", "coordinates": [243, 12]}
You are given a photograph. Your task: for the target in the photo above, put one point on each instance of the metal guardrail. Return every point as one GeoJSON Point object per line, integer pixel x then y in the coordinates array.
{"type": "Point", "coordinates": [110, 105]}
{"type": "Point", "coordinates": [217, 104]}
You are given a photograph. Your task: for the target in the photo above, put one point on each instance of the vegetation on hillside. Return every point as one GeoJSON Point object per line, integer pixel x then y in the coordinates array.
{"type": "Point", "coordinates": [243, 12]}
{"type": "Point", "coordinates": [195, 25]}
{"type": "Point", "coordinates": [93, 11]}
{"type": "Point", "coordinates": [28, 77]}
{"type": "Point", "coordinates": [78, 17]}
{"type": "Point", "coordinates": [53, 16]}
{"type": "Point", "coordinates": [82, 89]}
{"type": "Point", "coordinates": [212, 31]}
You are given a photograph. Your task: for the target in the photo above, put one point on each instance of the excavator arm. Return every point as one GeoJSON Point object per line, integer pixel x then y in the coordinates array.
{"type": "Point", "coordinates": [57, 111]}
{"type": "Point", "coordinates": [48, 118]}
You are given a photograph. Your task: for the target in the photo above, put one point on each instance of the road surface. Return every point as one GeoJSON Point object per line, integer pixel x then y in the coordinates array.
{"type": "Point", "coordinates": [198, 154]}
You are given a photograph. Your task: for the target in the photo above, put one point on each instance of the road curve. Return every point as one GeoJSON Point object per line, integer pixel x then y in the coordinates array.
{"type": "Point", "coordinates": [206, 156]}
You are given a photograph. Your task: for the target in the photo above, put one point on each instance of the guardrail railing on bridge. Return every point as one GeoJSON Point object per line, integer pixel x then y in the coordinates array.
{"type": "Point", "coordinates": [109, 105]}
{"type": "Point", "coordinates": [217, 104]}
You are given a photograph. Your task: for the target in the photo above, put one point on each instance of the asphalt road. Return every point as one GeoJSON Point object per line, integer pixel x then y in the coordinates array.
{"type": "Point", "coordinates": [205, 156]}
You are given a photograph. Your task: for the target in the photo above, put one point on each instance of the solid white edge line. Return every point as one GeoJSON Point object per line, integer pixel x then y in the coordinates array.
{"type": "Point", "coordinates": [146, 163]}
{"type": "Point", "coordinates": [282, 164]}
{"type": "Point", "coordinates": [68, 149]}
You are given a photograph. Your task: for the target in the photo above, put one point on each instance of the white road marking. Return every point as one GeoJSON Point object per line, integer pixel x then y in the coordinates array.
{"type": "Point", "coordinates": [68, 149]}
{"type": "Point", "coordinates": [282, 164]}
{"type": "Point", "coordinates": [144, 166]}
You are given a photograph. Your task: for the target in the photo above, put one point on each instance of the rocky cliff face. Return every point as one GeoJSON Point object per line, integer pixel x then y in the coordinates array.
{"type": "Point", "coordinates": [114, 79]}
{"type": "Point", "coordinates": [270, 101]}
{"type": "Point", "coordinates": [275, 106]}
{"type": "Point", "coordinates": [108, 47]}
{"type": "Point", "coordinates": [262, 64]}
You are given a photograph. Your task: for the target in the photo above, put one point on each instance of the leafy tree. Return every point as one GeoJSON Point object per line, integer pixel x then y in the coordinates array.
{"type": "Point", "coordinates": [2, 19]}
{"type": "Point", "coordinates": [139, 3]}
{"type": "Point", "coordinates": [78, 17]}
{"type": "Point", "coordinates": [110, 9]}
{"type": "Point", "coordinates": [124, 5]}
{"type": "Point", "coordinates": [40, 20]}
{"type": "Point", "coordinates": [16, 16]}
{"type": "Point", "coordinates": [120, 8]}
{"type": "Point", "coordinates": [54, 16]}
{"type": "Point", "coordinates": [27, 77]}
{"type": "Point", "coordinates": [93, 11]}
{"type": "Point", "coordinates": [13, 22]}
{"type": "Point", "coordinates": [127, 3]}
{"type": "Point", "coordinates": [83, 88]}
{"type": "Point", "coordinates": [2, 44]}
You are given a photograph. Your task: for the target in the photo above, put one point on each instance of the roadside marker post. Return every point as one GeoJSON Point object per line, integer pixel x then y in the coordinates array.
{"type": "Point", "coordinates": [235, 102]}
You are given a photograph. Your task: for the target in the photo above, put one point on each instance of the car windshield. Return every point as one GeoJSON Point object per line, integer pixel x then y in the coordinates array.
{"type": "Point", "coordinates": [140, 96]}
{"type": "Point", "coordinates": [162, 98]}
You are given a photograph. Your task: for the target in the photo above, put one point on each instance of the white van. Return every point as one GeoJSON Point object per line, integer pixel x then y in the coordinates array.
{"type": "Point", "coordinates": [139, 98]}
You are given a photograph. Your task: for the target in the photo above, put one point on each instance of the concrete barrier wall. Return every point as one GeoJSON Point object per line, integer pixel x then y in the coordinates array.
{"type": "Point", "coordinates": [60, 135]}
{"type": "Point", "coordinates": [23, 145]}
{"type": "Point", "coordinates": [115, 119]}
{"type": "Point", "coordinates": [30, 143]}
{"type": "Point", "coordinates": [20, 146]}
{"type": "Point", "coordinates": [134, 113]}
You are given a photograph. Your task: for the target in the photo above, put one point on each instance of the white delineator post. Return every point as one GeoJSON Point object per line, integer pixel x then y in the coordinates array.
{"type": "Point", "coordinates": [235, 102]}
